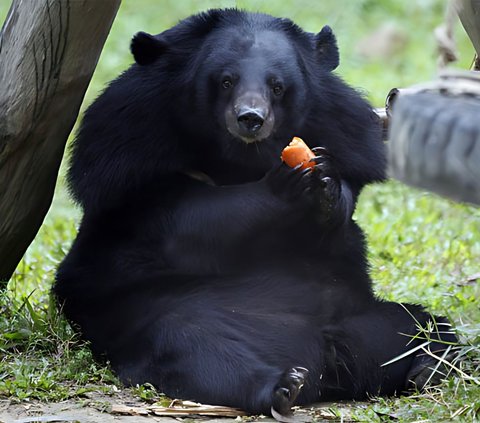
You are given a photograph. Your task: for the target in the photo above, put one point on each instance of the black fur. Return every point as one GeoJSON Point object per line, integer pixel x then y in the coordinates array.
{"type": "Point", "coordinates": [205, 266]}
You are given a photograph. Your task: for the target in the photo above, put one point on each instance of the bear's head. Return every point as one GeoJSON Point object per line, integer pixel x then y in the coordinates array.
{"type": "Point", "coordinates": [221, 93]}
{"type": "Point", "coordinates": [249, 74]}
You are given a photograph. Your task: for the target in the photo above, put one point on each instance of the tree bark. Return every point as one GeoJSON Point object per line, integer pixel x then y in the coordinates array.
{"type": "Point", "coordinates": [469, 13]}
{"type": "Point", "coordinates": [48, 52]}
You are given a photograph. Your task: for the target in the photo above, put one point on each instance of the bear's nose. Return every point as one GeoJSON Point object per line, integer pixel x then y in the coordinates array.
{"type": "Point", "coordinates": [250, 121]}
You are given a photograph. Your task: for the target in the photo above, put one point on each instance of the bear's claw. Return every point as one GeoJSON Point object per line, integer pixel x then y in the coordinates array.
{"type": "Point", "coordinates": [286, 392]}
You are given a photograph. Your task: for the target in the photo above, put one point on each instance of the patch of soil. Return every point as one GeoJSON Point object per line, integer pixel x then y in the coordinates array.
{"type": "Point", "coordinates": [95, 407]}
{"type": "Point", "coordinates": [122, 407]}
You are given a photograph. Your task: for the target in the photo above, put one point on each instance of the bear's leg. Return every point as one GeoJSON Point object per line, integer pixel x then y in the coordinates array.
{"type": "Point", "coordinates": [227, 371]}
{"type": "Point", "coordinates": [373, 340]}
{"type": "Point", "coordinates": [426, 369]}
{"type": "Point", "coordinates": [432, 336]}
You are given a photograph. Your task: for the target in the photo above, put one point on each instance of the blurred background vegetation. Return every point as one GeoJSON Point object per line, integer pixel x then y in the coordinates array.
{"type": "Point", "coordinates": [423, 248]}
{"type": "Point", "coordinates": [362, 27]}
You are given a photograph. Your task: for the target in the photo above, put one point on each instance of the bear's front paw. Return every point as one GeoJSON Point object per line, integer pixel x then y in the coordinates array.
{"type": "Point", "coordinates": [287, 183]}
{"type": "Point", "coordinates": [317, 188]}
{"type": "Point", "coordinates": [324, 184]}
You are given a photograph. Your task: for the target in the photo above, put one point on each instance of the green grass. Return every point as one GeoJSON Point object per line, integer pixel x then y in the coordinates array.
{"type": "Point", "coordinates": [425, 249]}
{"type": "Point", "coordinates": [422, 248]}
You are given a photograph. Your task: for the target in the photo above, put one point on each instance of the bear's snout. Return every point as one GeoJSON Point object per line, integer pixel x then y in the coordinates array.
{"type": "Point", "coordinates": [250, 120]}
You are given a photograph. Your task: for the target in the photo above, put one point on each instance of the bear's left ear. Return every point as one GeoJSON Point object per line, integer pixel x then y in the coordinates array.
{"type": "Point", "coordinates": [326, 48]}
{"type": "Point", "coordinates": [146, 48]}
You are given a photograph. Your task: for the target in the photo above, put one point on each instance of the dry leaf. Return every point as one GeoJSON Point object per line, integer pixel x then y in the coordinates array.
{"type": "Point", "coordinates": [178, 408]}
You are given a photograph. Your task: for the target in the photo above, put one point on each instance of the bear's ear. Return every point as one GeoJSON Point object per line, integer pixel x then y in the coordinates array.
{"type": "Point", "coordinates": [146, 48]}
{"type": "Point", "coordinates": [326, 48]}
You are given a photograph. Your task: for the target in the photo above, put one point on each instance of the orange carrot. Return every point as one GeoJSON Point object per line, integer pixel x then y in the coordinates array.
{"type": "Point", "coordinates": [297, 152]}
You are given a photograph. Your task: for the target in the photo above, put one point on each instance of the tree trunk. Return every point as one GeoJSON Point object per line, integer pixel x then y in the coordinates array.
{"type": "Point", "coordinates": [48, 52]}
{"type": "Point", "coordinates": [469, 12]}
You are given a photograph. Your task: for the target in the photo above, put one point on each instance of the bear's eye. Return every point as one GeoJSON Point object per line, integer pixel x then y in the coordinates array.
{"type": "Point", "coordinates": [277, 90]}
{"type": "Point", "coordinates": [227, 83]}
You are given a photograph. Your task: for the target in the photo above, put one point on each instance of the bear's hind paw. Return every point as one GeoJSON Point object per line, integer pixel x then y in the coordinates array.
{"type": "Point", "coordinates": [286, 392]}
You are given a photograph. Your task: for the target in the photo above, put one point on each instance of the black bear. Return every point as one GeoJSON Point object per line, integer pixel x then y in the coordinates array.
{"type": "Point", "coordinates": [206, 266]}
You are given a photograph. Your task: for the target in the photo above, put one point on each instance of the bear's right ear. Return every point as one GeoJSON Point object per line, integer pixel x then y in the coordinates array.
{"type": "Point", "coordinates": [146, 48]}
{"type": "Point", "coordinates": [326, 48]}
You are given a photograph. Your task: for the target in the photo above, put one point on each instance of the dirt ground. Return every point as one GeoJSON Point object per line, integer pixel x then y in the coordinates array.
{"type": "Point", "coordinates": [96, 409]}
{"type": "Point", "coordinates": [123, 407]}
{"type": "Point", "coordinates": [102, 408]}
{"type": "Point", "coordinates": [73, 411]}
